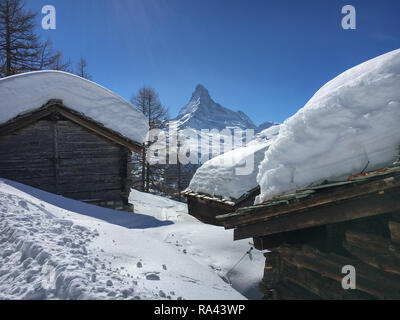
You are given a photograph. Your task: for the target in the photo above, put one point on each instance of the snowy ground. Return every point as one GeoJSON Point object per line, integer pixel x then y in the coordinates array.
{"type": "Point", "coordinates": [56, 248]}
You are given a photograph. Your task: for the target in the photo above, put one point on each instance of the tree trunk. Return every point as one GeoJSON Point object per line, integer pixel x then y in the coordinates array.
{"type": "Point", "coordinates": [148, 177]}
{"type": "Point", "coordinates": [143, 168]}
{"type": "Point", "coordinates": [8, 40]}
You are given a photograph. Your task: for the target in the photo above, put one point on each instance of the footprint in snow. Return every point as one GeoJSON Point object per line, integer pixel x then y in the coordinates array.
{"type": "Point", "coordinates": [109, 283]}
{"type": "Point", "coordinates": [152, 277]}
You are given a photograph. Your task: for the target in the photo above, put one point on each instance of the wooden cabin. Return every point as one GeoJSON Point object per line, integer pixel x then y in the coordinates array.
{"type": "Point", "coordinates": [59, 150]}
{"type": "Point", "coordinates": [206, 208]}
{"type": "Point", "coordinates": [309, 236]}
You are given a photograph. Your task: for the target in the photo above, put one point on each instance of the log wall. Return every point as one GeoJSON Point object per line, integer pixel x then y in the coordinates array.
{"type": "Point", "coordinates": [313, 269]}
{"type": "Point", "coordinates": [61, 157]}
{"type": "Point", "coordinates": [27, 156]}
{"type": "Point", "coordinates": [207, 210]}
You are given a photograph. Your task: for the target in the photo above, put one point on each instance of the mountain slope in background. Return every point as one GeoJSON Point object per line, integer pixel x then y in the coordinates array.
{"type": "Point", "coordinates": [267, 125]}
{"type": "Point", "coordinates": [202, 112]}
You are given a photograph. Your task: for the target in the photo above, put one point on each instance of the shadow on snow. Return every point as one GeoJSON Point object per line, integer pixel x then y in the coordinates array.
{"type": "Point", "coordinates": [124, 219]}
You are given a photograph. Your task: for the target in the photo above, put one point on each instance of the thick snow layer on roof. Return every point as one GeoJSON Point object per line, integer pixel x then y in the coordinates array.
{"type": "Point", "coordinates": [350, 125]}
{"type": "Point", "coordinates": [29, 91]}
{"type": "Point", "coordinates": [234, 173]}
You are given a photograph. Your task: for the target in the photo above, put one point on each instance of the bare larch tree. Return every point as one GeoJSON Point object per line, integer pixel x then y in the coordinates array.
{"type": "Point", "coordinates": [147, 101]}
{"type": "Point", "coordinates": [19, 45]}
{"type": "Point", "coordinates": [82, 69]}
{"type": "Point", "coordinates": [20, 48]}
{"type": "Point", "coordinates": [51, 59]}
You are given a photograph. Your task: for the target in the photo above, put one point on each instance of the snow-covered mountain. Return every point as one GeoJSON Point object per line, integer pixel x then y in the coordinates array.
{"type": "Point", "coordinates": [266, 125]}
{"type": "Point", "coordinates": [202, 112]}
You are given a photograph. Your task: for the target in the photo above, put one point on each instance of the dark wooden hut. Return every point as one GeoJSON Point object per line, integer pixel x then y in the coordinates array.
{"type": "Point", "coordinates": [59, 150]}
{"type": "Point", "coordinates": [309, 236]}
{"type": "Point", "coordinates": [206, 208]}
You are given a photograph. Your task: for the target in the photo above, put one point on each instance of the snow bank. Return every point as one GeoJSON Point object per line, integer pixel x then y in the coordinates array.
{"type": "Point", "coordinates": [350, 125]}
{"type": "Point", "coordinates": [45, 257]}
{"type": "Point", "coordinates": [208, 245]}
{"type": "Point", "coordinates": [30, 91]}
{"type": "Point", "coordinates": [48, 252]}
{"type": "Point", "coordinates": [161, 208]}
{"type": "Point", "coordinates": [234, 173]}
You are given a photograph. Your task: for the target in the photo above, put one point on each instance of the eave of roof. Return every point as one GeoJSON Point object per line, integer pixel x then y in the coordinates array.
{"type": "Point", "coordinates": [232, 202]}
{"type": "Point", "coordinates": [57, 106]}
{"type": "Point", "coordinates": [250, 215]}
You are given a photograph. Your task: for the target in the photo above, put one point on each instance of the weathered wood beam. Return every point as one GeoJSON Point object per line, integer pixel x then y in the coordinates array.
{"type": "Point", "coordinates": [395, 231]}
{"type": "Point", "coordinates": [333, 195]}
{"type": "Point", "coordinates": [374, 243]}
{"type": "Point", "coordinates": [317, 284]}
{"type": "Point", "coordinates": [102, 132]}
{"type": "Point", "coordinates": [369, 280]}
{"type": "Point", "coordinates": [389, 262]}
{"type": "Point", "coordinates": [339, 211]}
{"type": "Point", "coordinates": [272, 270]}
{"type": "Point", "coordinates": [297, 237]}
{"type": "Point", "coordinates": [24, 121]}
{"type": "Point", "coordinates": [287, 290]}
{"type": "Point", "coordinates": [374, 250]}
{"type": "Point", "coordinates": [56, 106]}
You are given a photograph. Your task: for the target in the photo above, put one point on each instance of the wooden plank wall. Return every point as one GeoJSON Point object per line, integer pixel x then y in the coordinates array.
{"type": "Point", "coordinates": [90, 166]}
{"type": "Point", "coordinates": [27, 156]}
{"type": "Point", "coordinates": [207, 210]}
{"type": "Point", "coordinates": [306, 270]}
{"type": "Point", "coordinates": [59, 156]}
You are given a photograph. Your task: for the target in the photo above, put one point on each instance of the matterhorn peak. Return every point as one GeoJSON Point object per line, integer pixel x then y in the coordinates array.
{"type": "Point", "coordinates": [201, 92]}
{"type": "Point", "coordinates": [202, 112]}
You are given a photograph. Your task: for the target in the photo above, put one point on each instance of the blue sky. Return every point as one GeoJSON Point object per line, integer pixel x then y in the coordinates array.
{"type": "Point", "coordinates": [266, 58]}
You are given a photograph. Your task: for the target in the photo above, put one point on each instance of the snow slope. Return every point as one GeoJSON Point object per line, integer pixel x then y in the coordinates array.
{"type": "Point", "coordinates": [213, 247]}
{"type": "Point", "coordinates": [29, 91]}
{"type": "Point", "coordinates": [350, 125]}
{"type": "Point", "coordinates": [49, 251]}
{"type": "Point", "coordinates": [234, 173]}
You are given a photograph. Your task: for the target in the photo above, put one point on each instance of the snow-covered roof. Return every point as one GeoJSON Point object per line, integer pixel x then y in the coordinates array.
{"type": "Point", "coordinates": [29, 91]}
{"type": "Point", "coordinates": [351, 125]}
{"type": "Point", "coordinates": [227, 176]}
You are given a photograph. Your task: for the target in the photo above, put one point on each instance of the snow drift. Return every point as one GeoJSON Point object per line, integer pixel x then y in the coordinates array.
{"type": "Point", "coordinates": [350, 125]}
{"type": "Point", "coordinates": [234, 173]}
{"type": "Point", "coordinates": [57, 248]}
{"type": "Point", "coordinates": [29, 91]}
{"type": "Point", "coordinates": [48, 252]}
